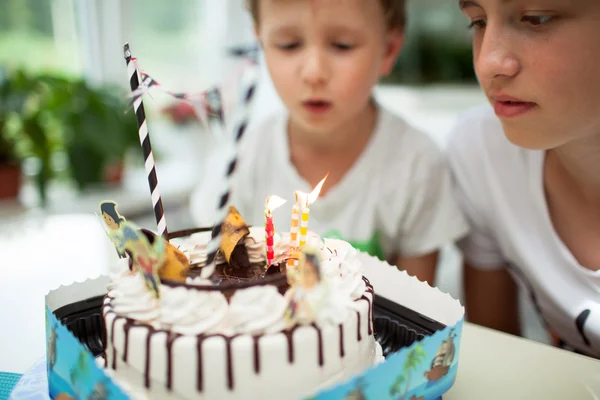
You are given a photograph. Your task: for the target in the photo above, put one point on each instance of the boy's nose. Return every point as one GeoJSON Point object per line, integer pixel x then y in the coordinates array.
{"type": "Point", "coordinates": [315, 70]}
{"type": "Point", "coordinates": [495, 56]}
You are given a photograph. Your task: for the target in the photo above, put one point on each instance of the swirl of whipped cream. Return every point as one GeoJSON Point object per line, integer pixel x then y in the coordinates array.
{"type": "Point", "coordinates": [333, 306]}
{"type": "Point", "coordinates": [323, 304]}
{"type": "Point", "coordinates": [131, 298]}
{"type": "Point", "coordinates": [191, 312]}
{"type": "Point", "coordinates": [342, 268]}
{"type": "Point", "coordinates": [258, 309]}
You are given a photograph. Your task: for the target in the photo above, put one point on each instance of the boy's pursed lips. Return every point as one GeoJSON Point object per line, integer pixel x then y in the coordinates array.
{"type": "Point", "coordinates": [317, 105]}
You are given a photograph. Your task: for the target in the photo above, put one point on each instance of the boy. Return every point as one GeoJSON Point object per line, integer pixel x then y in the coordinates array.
{"type": "Point", "coordinates": [388, 187]}
{"type": "Point", "coordinates": [527, 177]}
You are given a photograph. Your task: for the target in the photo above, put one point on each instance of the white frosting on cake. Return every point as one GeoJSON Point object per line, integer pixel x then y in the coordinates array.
{"type": "Point", "coordinates": [193, 343]}
{"type": "Point", "coordinates": [191, 312]}
{"type": "Point", "coordinates": [256, 310]}
{"type": "Point", "coordinates": [131, 299]}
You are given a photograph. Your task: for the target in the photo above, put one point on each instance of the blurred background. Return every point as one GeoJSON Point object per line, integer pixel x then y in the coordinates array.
{"type": "Point", "coordinates": [66, 142]}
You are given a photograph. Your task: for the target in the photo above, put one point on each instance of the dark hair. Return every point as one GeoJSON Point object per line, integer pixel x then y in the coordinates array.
{"type": "Point", "coordinates": [395, 12]}
{"type": "Point", "coordinates": [110, 208]}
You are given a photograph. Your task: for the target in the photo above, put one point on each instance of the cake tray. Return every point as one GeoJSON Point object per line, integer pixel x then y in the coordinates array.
{"type": "Point", "coordinates": [396, 326]}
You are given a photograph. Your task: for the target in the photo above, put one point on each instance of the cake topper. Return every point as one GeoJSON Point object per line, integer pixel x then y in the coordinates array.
{"type": "Point", "coordinates": [306, 287]}
{"type": "Point", "coordinates": [147, 257]}
{"type": "Point", "coordinates": [113, 221]}
{"type": "Point", "coordinates": [176, 264]}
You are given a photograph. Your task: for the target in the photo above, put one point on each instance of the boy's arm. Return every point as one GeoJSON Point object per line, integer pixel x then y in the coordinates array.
{"type": "Point", "coordinates": [492, 299]}
{"type": "Point", "coordinates": [423, 267]}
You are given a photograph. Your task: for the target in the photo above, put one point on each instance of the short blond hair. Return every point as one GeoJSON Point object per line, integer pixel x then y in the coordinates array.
{"type": "Point", "coordinates": [395, 12]}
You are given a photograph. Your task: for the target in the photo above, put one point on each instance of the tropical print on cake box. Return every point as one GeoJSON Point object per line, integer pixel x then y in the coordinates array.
{"type": "Point", "coordinates": [72, 370]}
{"type": "Point", "coordinates": [424, 371]}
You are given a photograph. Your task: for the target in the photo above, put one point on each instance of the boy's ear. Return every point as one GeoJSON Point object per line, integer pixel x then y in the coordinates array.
{"type": "Point", "coordinates": [394, 42]}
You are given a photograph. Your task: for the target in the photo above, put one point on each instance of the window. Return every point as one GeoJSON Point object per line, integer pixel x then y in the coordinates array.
{"type": "Point", "coordinates": [39, 35]}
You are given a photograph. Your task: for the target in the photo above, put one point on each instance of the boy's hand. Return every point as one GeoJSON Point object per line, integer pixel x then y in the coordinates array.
{"type": "Point", "coordinates": [492, 299]}
{"type": "Point", "coordinates": [423, 267]}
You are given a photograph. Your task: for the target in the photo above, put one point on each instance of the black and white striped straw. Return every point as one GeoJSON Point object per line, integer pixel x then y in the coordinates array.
{"type": "Point", "coordinates": [248, 90]}
{"type": "Point", "coordinates": [149, 163]}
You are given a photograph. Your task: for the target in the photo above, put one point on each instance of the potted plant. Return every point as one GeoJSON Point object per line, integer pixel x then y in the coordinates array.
{"type": "Point", "coordinates": [23, 132]}
{"type": "Point", "coordinates": [10, 171]}
{"type": "Point", "coordinates": [46, 114]}
{"type": "Point", "coordinates": [97, 131]}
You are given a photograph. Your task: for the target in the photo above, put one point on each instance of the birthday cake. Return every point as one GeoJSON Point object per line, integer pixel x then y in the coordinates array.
{"type": "Point", "coordinates": [245, 332]}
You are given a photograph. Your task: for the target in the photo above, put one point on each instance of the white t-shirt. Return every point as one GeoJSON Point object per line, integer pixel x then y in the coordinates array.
{"type": "Point", "coordinates": [396, 199]}
{"type": "Point", "coordinates": [500, 189]}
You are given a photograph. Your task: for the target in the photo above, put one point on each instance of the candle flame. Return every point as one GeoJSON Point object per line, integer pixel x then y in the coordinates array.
{"type": "Point", "coordinates": [274, 202]}
{"type": "Point", "coordinates": [312, 197]}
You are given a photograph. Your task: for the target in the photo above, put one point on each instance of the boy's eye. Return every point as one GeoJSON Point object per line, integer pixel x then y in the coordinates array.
{"type": "Point", "coordinates": [478, 24]}
{"type": "Point", "coordinates": [289, 45]}
{"type": "Point", "coordinates": [342, 46]}
{"type": "Point", "coordinates": [536, 20]}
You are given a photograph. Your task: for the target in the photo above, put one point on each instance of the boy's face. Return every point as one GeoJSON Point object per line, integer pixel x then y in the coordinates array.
{"type": "Point", "coordinates": [325, 56]}
{"type": "Point", "coordinates": [538, 62]}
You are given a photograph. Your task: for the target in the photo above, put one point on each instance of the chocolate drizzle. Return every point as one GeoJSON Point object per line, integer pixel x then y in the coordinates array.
{"type": "Point", "coordinates": [342, 353]}
{"type": "Point", "coordinates": [256, 354]}
{"type": "Point", "coordinates": [228, 340]}
{"type": "Point", "coordinates": [289, 335]}
{"type": "Point", "coordinates": [200, 381]}
{"type": "Point", "coordinates": [320, 341]}
{"type": "Point", "coordinates": [359, 337]}
{"type": "Point", "coordinates": [369, 289]}
{"type": "Point", "coordinates": [199, 342]}
{"type": "Point", "coordinates": [112, 339]}
{"type": "Point", "coordinates": [171, 338]}
{"type": "Point", "coordinates": [126, 328]}
{"type": "Point", "coordinates": [369, 319]}
{"type": "Point", "coordinates": [147, 366]}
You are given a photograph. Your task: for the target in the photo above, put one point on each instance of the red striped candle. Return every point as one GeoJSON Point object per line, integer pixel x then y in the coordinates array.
{"type": "Point", "coordinates": [271, 204]}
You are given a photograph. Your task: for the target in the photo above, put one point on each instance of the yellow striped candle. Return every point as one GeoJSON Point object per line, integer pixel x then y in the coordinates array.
{"type": "Point", "coordinates": [294, 230]}
{"type": "Point", "coordinates": [305, 201]}
{"type": "Point", "coordinates": [304, 225]}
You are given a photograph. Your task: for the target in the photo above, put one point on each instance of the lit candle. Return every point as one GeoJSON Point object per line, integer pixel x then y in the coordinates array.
{"type": "Point", "coordinates": [271, 204]}
{"type": "Point", "coordinates": [294, 229]}
{"type": "Point", "coordinates": [306, 201]}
